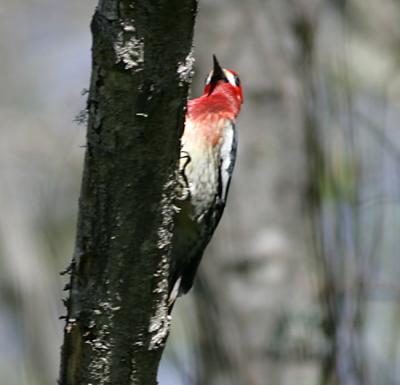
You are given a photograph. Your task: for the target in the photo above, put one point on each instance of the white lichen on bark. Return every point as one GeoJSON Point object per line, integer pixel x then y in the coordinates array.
{"type": "Point", "coordinates": [103, 343]}
{"type": "Point", "coordinates": [128, 48]}
{"type": "Point", "coordinates": [185, 69]}
{"type": "Point", "coordinates": [133, 376]}
{"type": "Point", "coordinates": [100, 367]}
{"type": "Point", "coordinates": [160, 321]}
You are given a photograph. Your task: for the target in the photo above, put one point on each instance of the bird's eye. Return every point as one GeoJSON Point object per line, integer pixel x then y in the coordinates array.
{"type": "Point", "coordinates": [237, 81]}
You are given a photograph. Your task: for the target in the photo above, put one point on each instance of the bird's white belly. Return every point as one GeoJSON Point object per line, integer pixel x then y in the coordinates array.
{"type": "Point", "coordinates": [202, 177]}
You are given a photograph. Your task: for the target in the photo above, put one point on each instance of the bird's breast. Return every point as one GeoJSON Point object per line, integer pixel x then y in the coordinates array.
{"type": "Point", "coordinates": [202, 178]}
{"type": "Point", "coordinates": [201, 169]}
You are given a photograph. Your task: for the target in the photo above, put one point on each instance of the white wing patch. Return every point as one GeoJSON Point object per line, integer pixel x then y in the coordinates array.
{"type": "Point", "coordinates": [228, 155]}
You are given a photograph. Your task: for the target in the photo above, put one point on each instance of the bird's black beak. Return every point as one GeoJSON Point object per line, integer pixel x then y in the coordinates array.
{"type": "Point", "coordinates": [218, 74]}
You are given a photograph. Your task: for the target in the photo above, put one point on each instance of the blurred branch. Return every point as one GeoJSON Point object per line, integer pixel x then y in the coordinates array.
{"type": "Point", "coordinates": [117, 321]}
{"type": "Point", "coordinates": [379, 135]}
{"type": "Point", "coordinates": [338, 315]}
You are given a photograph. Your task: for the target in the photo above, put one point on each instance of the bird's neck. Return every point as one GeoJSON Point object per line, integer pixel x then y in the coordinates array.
{"type": "Point", "coordinates": [223, 103]}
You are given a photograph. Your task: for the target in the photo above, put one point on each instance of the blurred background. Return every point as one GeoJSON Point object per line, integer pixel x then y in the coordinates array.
{"type": "Point", "coordinates": [300, 283]}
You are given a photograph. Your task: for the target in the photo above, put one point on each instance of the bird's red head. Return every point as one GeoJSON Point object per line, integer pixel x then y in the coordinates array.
{"type": "Point", "coordinates": [221, 78]}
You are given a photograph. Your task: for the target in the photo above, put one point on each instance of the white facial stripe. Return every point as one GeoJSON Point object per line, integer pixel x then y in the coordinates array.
{"type": "Point", "coordinates": [208, 80]}
{"type": "Point", "coordinates": [230, 76]}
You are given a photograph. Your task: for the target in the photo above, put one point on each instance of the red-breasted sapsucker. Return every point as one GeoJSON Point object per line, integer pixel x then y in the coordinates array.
{"type": "Point", "coordinates": [207, 159]}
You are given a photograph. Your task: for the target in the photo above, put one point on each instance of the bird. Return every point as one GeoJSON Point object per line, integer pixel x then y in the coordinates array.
{"type": "Point", "coordinates": [207, 160]}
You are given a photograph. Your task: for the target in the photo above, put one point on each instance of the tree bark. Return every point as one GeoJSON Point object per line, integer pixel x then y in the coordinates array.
{"type": "Point", "coordinates": [117, 322]}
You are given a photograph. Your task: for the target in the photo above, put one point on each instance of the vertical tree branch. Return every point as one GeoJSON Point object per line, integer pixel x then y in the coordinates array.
{"type": "Point", "coordinates": [117, 319]}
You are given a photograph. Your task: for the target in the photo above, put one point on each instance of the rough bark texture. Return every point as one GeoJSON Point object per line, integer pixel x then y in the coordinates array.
{"type": "Point", "coordinates": [117, 319]}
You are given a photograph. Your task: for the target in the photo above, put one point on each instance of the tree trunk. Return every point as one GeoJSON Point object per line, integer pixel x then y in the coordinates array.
{"type": "Point", "coordinates": [117, 321]}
